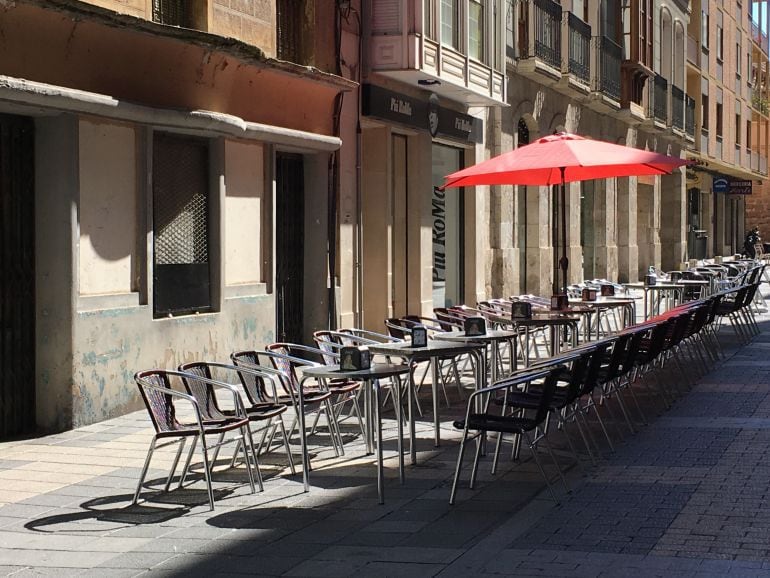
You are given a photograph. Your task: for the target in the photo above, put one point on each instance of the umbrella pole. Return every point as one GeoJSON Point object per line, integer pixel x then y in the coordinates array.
{"type": "Point", "coordinates": [564, 261]}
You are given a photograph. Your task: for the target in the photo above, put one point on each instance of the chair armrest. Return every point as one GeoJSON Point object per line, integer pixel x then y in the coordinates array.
{"type": "Point", "coordinates": [237, 400]}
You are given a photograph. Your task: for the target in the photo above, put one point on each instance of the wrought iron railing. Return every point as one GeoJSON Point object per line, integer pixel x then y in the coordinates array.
{"type": "Point", "coordinates": [607, 57]}
{"type": "Point", "coordinates": [546, 30]}
{"type": "Point", "coordinates": [689, 116]}
{"type": "Point", "coordinates": [579, 47]}
{"type": "Point", "coordinates": [660, 98]}
{"type": "Point", "coordinates": [677, 107]}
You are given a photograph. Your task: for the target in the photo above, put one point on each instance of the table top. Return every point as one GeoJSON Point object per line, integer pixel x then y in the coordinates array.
{"type": "Point", "coordinates": [376, 371]}
{"type": "Point", "coordinates": [434, 348]}
{"type": "Point", "coordinates": [490, 335]}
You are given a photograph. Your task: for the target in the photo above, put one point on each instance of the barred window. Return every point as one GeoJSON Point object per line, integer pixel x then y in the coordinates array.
{"type": "Point", "coordinates": [181, 225]}
{"type": "Point", "coordinates": [173, 12]}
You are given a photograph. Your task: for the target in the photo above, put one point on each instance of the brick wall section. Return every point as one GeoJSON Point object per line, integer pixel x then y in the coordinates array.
{"type": "Point", "coordinates": [251, 21]}
{"type": "Point", "coordinates": [758, 210]}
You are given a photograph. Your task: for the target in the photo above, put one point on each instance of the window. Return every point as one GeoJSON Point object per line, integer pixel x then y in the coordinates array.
{"type": "Point", "coordinates": [476, 30]}
{"type": "Point", "coordinates": [719, 120]}
{"type": "Point", "coordinates": [738, 53]}
{"type": "Point", "coordinates": [450, 33]}
{"type": "Point", "coordinates": [180, 180]}
{"type": "Point", "coordinates": [720, 38]}
{"type": "Point", "coordinates": [704, 30]}
{"type": "Point", "coordinates": [748, 135]}
{"type": "Point", "coordinates": [428, 19]}
{"type": "Point", "coordinates": [738, 125]}
{"type": "Point", "coordinates": [289, 14]}
{"type": "Point", "coordinates": [705, 111]}
{"type": "Point", "coordinates": [173, 12]}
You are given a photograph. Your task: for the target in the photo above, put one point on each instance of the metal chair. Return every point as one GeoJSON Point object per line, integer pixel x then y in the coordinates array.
{"type": "Point", "coordinates": [159, 397]}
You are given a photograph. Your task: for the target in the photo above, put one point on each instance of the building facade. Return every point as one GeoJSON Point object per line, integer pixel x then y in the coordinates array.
{"type": "Point", "coordinates": [183, 179]}
{"type": "Point", "coordinates": [166, 172]}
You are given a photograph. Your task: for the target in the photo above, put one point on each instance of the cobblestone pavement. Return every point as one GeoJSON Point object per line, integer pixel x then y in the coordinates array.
{"type": "Point", "coordinates": [687, 495]}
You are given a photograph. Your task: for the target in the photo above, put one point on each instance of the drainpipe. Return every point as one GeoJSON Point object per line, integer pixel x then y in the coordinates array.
{"type": "Point", "coordinates": [359, 237]}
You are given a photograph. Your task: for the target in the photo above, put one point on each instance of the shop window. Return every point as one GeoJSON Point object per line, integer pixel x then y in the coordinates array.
{"type": "Point", "coordinates": [180, 181]}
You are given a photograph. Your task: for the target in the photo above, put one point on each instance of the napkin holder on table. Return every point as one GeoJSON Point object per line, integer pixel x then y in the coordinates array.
{"type": "Point", "coordinates": [355, 358]}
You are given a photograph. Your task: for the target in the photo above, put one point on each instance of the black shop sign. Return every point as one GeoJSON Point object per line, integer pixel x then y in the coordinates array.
{"type": "Point", "coordinates": [421, 114]}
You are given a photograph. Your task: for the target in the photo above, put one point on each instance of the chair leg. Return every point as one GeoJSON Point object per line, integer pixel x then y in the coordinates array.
{"type": "Point", "coordinates": [479, 443]}
{"type": "Point", "coordinates": [187, 462]}
{"type": "Point", "coordinates": [556, 462]}
{"type": "Point", "coordinates": [144, 469]}
{"type": "Point", "coordinates": [286, 446]}
{"type": "Point", "coordinates": [539, 465]}
{"type": "Point", "coordinates": [182, 443]}
{"type": "Point", "coordinates": [248, 438]}
{"type": "Point", "coordinates": [207, 471]}
{"type": "Point", "coordinates": [459, 465]}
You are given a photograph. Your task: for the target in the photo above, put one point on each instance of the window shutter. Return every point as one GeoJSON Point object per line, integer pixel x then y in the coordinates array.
{"type": "Point", "coordinates": [386, 17]}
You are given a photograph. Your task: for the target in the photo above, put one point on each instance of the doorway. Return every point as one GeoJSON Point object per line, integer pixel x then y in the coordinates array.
{"type": "Point", "coordinates": [289, 247]}
{"type": "Point", "coordinates": [17, 282]}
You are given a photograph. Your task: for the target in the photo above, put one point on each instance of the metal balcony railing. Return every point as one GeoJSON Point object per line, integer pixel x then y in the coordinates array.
{"type": "Point", "coordinates": [660, 99]}
{"type": "Point", "coordinates": [689, 116]}
{"type": "Point", "coordinates": [578, 47]}
{"type": "Point", "coordinates": [607, 58]}
{"type": "Point", "coordinates": [677, 107]}
{"type": "Point", "coordinates": [542, 31]}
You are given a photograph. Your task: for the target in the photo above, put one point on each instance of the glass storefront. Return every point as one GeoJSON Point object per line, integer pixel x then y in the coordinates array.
{"type": "Point", "coordinates": [447, 219]}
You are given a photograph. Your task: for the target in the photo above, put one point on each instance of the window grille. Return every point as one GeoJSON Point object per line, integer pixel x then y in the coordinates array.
{"type": "Point", "coordinates": [180, 224]}
{"type": "Point", "coordinates": [289, 19]}
{"type": "Point", "coordinates": [173, 12]}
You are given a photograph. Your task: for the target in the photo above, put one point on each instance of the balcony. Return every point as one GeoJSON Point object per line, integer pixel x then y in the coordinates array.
{"type": "Point", "coordinates": [759, 37]}
{"type": "Point", "coordinates": [689, 118]}
{"type": "Point", "coordinates": [403, 46]}
{"type": "Point", "coordinates": [578, 55]}
{"type": "Point", "coordinates": [677, 108]}
{"type": "Point", "coordinates": [692, 52]}
{"type": "Point", "coordinates": [538, 43]}
{"type": "Point", "coordinates": [607, 57]}
{"type": "Point", "coordinates": [659, 101]}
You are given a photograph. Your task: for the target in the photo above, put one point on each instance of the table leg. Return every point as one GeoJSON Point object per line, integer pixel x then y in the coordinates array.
{"type": "Point", "coordinates": [368, 417]}
{"type": "Point", "coordinates": [410, 398]}
{"type": "Point", "coordinates": [378, 426]}
{"type": "Point", "coordinates": [434, 387]}
{"type": "Point", "coordinates": [400, 418]}
{"type": "Point", "coordinates": [645, 290]}
{"type": "Point", "coordinates": [302, 438]}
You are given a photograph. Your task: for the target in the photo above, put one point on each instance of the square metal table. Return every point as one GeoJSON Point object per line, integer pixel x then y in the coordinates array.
{"type": "Point", "coordinates": [372, 403]}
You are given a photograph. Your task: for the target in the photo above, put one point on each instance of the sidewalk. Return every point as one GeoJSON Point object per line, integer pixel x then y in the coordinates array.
{"type": "Point", "coordinates": [685, 496]}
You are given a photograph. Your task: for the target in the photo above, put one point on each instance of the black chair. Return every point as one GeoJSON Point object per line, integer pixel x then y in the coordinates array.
{"type": "Point", "coordinates": [530, 428]}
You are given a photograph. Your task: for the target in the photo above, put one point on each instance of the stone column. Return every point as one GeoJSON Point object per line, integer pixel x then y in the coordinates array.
{"type": "Point", "coordinates": [606, 249]}
{"type": "Point", "coordinates": [673, 200]}
{"type": "Point", "coordinates": [628, 250]}
{"type": "Point", "coordinates": [539, 243]}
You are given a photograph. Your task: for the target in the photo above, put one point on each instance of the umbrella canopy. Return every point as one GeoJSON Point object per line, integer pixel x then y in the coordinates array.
{"type": "Point", "coordinates": [563, 158]}
{"type": "Point", "coordinates": [582, 159]}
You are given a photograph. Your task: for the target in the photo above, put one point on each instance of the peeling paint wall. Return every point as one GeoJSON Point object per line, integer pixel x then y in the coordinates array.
{"type": "Point", "coordinates": [111, 345]}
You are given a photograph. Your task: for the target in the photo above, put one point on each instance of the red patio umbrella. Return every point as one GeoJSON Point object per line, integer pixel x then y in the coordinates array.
{"type": "Point", "coordinates": [563, 158]}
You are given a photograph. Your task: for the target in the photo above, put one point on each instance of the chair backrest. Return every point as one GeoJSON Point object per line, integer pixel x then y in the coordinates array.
{"type": "Point", "coordinates": [397, 327]}
{"type": "Point", "coordinates": [159, 405]}
{"type": "Point", "coordinates": [328, 342]}
{"type": "Point", "coordinates": [253, 385]}
{"type": "Point", "coordinates": [200, 390]}
{"type": "Point", "coordinates": [448, 321]}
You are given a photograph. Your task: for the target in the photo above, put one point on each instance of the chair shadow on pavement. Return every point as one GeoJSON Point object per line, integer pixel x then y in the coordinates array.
{"type": "Point", "coordinates": [155, 508]}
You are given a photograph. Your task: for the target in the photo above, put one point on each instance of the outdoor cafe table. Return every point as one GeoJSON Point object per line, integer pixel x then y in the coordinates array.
{"type": "Point", "coordinates": [492, 338]}
{"type": "Point", "coordinates": [372, 404]}
{"type": "Point", "coordinates": [433, 352]}
{"type": "Point", "coordinates": [551, 319]}
{"type": "Point", "coordinates": [600, 304]}
{"type": "Point", "coordinates": [673, 288]}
